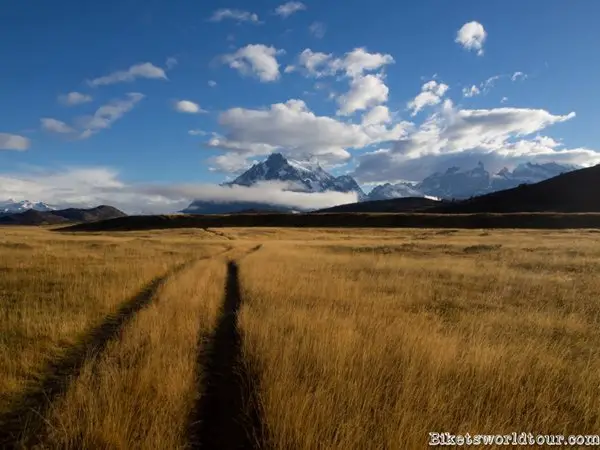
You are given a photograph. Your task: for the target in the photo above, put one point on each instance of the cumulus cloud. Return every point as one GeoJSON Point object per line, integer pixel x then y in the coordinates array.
{"type": "Point", "coordinates": [431, 94]}
{"type": "Point", "coordinates": [234, 14]}
{"type": "Point", "coordinates": [317, 29]}
{"type": "Point", "coordinates": [257, 60]}
{"type": "Point", "coordinates": [289, 8]}
{"type": "Point", "coordinates": [296, 131]}
{"type": "Point", "coordinates": [197, 132]}
{"type": "Point", "coordinates": [314, 63]}
{"type": "Point", "coordinates": [472, 36]}
{"type": "Point", "coordinates": [107, 114]}
{"type": "Point", "coordinates": [187, 106]}
{"type": "Point", "coordinates": [359, 61]}
{"type": "Point", "coordinates": [376, 116]}
{"type": "Point", "coordinates": [365, 92]}
{"type": "Point", "coordinates": [212, 83]}
{"type": "Point", "coordinates": [471, 91]}
{"type": "Point", "coordinates": [13, 142]}
{"type": "Point", "coordinates": [353, 64]}
{"type": "Point", "coordinates": [55, 126]}
{"type": "Point", "coordinates": [93, 186]}
{"type": "Point", "coordinates": [74, 98]}
{"type": "Point", "coordinates": [145, 70]}
{"type": "Point", "coordinates": [462, 137]}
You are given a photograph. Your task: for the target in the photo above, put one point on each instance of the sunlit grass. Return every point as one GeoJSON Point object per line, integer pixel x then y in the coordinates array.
{"type": "Point", "coordinates": [373, 343]}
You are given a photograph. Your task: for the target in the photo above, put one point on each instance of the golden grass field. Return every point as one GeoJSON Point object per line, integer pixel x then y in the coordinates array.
{"type": "Point", "coordinates": [349, 339]}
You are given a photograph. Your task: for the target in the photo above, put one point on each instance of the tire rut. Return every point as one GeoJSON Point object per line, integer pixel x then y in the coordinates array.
{"type": "Point", "coordinates": [227, 414]}
{"type": "Point", "coordinates": [22, 426]}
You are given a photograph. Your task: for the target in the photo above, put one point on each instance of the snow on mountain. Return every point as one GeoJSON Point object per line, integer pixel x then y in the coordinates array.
{"type": "Point", "coordinates": [299, 176]}
{"type": "Point", "coordinates": [309, 177]}
{"type": "Point", "coordinates": [389, 191]}
{"type": "Point", "coordinates": [12, 206]}
{"type": "Point", "coordinates": [458, 183]}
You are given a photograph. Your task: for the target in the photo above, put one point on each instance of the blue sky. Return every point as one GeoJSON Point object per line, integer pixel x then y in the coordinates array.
{"type": "Point", "coordinates": [189, 93]}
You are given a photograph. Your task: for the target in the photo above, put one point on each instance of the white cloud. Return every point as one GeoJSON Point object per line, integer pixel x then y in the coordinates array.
{"type": "Point", "coordinates": [93, 186]}
{"type": "Point", "coordinates": [145, 70]}
{"type": "Point", "coordinates": [171, 62]}
{"type": "Point", "coordinates": [485, 86]}
{"type": "Point", "coordinates": [197, 133]}
{"type": "Point", "coordinates": [472, 36]}
{"type": "Point", "coordinates": [289, 8]}
{"type": "Point", "coordinates": [359, 61]}
{"type": "Point", "coordinates": [74, 98]}
{"type": "Point", "coordinates": [56, 126]}
{"type": "Point", "coordinates": [315, 63]}
{"type": "Point", "coordinates": [519, 76]}
{"type": "Point", "coordinates": [504, 100]}
{"type": "Point", "coordinates": [234, 14]}
{"type": "Point", "coordinates": [459, 137]}
{"type": "Point", "coordinates": [317, 29]}
{"type": "Point", "coordinates": [187, 106]}
{"type": "Point", "coordinates": [255, 59]}
{"type": "Point", "coordinates": [232, 163]}
{"type": "Point", "coordinates": [471, 91]}
{"type": "Point", "coordinates": [377, 116]}
{"type": "Point", "coordinates": [296, 131]}
{"type": "Point", "coordinates": [212, 83]}
{"type": "Point", "coordinates": [490, 82]}
{"type": "Point", "coordinates": [365, 92]}
{"type": "Point", "coordinates": [107, 114]}
{"type": "Point", "coordinates": [13, 142]}
{"type": "Point", "coordinates": [431, 94]}
{"type": "Point", "coordinates": [353, 64]}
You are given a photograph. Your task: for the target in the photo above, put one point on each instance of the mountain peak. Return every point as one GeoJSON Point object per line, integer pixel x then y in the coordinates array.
{"type": "Point", "coordinates": [18, 206]}
{"type": "Point", "coordinates": [299, 176]}
{"type": "Point", "coordinates": [276, 159]}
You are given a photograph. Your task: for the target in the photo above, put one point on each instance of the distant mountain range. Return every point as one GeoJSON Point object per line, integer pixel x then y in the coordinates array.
{"type": "Point", "coordinates": [572, 192]}
{"type": "Point", "coordinates": [454, 183]}
{"type": "Point", "coordinates": [543, 205]}
{"type": "Point", "coordinates": [52, 217]}
{"type": "Point", "coordinates": [12, 206]}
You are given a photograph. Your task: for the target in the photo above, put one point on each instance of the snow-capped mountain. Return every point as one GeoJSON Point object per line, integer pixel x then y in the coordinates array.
{"type": "Point", "coordinates": [299, 176]}
{"type": "Point", "coordinates": [389, 191]}
{"type": "Point", "coordinates": [457, 183]}
{"type": "Point", "coordinates": [12, 206]}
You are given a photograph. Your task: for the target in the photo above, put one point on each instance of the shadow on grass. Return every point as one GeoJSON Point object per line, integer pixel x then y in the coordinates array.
{"type": "Point", "coordinates": [227, 414]}
{"type": "Point", "coordinates": [22, 426]}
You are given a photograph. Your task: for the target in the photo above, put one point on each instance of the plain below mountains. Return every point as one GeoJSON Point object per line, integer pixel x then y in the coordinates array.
{"type": "Point", "coordinates": [63, 216]}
